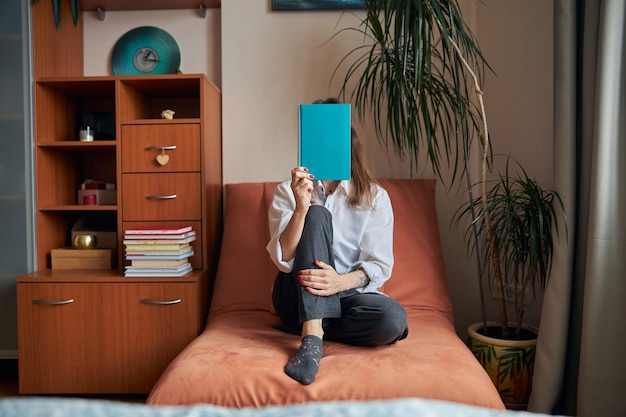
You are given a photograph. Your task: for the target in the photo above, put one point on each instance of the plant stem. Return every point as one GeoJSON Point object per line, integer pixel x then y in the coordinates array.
{"type": "Point", "coordinates": [493, 244]}
{"type": "Point", "coordinates": [530, 277]}
{"type": "Point", "coordinates": [470, 189]}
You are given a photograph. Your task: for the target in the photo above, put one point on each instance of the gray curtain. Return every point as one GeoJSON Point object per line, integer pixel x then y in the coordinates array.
{"type": "Point", "coordinates": [581, 360]}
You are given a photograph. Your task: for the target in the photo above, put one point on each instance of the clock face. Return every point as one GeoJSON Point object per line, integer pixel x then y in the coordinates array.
{"type": "Point", "coordinates": [146, 59]}
{"type": "Point", "coordinates": [145, 50]}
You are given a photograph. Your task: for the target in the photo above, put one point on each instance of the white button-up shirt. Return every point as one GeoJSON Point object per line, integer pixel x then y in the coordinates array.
{"type": "Point", "coordinates": [363, 236]}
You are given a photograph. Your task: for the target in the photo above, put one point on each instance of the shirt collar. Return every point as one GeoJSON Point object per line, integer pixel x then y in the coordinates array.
{"type": "Point", "coordinates": [345, 184]}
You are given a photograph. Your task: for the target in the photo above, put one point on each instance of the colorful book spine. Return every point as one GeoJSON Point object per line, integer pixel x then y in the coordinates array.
{"type": "Point", "coordinates": [158, 241]}
{"type": "Point", "coordinates": [133, 256]}
{"type": "Point", "coordinates": [158, 230]}
{"type": "Point", "coordinates": [157, 236]}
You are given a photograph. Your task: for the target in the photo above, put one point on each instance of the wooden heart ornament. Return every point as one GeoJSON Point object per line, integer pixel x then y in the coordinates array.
{"type": "Point", "coordinates": [163, 159]}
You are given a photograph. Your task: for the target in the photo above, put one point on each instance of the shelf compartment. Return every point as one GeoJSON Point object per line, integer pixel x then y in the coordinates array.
{"type": "Point", "coordinates": [197, 245]}
{"type": "Point", "coordinates": [55, 229]}
{"type": "Point", "coordinates": [59, 173]}
{"type": "Point", "coordinates": [64, 105]}
{"type": "Point", "coordinates": [147, 97]}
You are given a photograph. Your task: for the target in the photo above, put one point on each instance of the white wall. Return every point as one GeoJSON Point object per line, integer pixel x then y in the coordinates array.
{"type": "Point", "coordinates": [272, 61]}
{"type": "Point", "coordinates": [198, 38]}
{"type": "Point", "coordinates": [516, 36]}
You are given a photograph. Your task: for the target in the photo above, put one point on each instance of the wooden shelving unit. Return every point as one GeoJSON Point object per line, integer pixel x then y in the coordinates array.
{"type": "Point", "coordinates": [62, 348]}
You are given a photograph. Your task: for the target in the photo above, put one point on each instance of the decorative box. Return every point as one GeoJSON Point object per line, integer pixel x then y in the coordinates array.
{"type": "Point", "coordinates": [69, 258]}
{"type": "Point", "coordinates": [93, 192]}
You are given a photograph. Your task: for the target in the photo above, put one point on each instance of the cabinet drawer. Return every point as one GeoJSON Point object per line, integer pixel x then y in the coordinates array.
{"type": "Point", "coordinates": [174, 196]}
{"type": "Point", "coordinates": [161, 148]}
{"type": "Point", "coordinates": [101, 337]}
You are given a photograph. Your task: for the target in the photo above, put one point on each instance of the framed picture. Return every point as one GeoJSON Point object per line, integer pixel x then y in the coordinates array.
{"type": "Point", "coordinates": [317, 4]}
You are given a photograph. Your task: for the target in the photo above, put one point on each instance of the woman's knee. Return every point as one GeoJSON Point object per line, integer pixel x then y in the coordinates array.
{"type": "Point", "coordinates": [318, 214]}
{"type": "Point", "coordinates": [382, 322]}
{"type": "Point", "coordinates": [392, 325]}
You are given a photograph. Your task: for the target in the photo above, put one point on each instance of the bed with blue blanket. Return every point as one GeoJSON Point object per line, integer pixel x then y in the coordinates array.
{"type": "Point", "coordinates": [407, 407]}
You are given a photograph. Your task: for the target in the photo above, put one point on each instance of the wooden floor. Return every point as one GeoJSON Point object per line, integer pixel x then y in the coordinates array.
{"type": "Point", "coordinates": [9, 385]}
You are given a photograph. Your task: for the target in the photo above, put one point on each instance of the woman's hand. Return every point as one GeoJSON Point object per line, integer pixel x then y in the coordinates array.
{"type": "Point", "coordinates": [324, 281]}
{"type": "Point", "coordinates": [302, 186]}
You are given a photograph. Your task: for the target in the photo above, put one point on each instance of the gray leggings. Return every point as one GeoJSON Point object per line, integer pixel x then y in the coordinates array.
{"type": "Point", "coordinates": [365, 319]}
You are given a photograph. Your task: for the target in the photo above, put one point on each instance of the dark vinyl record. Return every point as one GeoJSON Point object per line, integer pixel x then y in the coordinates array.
{"type": "Point", "coordinates": [145, 50]}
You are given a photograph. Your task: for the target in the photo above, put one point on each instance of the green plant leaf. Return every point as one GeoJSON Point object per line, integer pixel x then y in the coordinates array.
{"type": "Point", "coordinates": [75, 9]}
{"type": "Point", "coordinates": [56, 12]}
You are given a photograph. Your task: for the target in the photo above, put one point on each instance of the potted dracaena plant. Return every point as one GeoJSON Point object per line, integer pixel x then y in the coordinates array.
{"type": "Point", "coordinates": [56, 10]}
{"type": "Point", "coordinates": [419, 73]}
{"type": "Point", "coordinates": [515, 223]}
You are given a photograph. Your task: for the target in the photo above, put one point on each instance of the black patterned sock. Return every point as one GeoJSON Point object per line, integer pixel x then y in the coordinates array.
{"type": "Point", "coordinates": [303, 366]}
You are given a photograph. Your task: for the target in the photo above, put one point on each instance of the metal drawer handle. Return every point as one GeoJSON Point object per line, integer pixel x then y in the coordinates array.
{"type": "Point", "coordinates": [161, 303]}
{"type": "Point", "coordinates": [160, 197]}
{"type": "Point", "coordinates": [54, 303]}
{"type": "Point", "coordinates": [160, 148]}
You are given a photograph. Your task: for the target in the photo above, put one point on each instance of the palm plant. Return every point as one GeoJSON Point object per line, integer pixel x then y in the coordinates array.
{"type": "Point", "coordinates": [407, 73]}
{"type": "Point", "coordinates": [419, 72]}
{"type": "Point", "coordinates": [410, 75]}
{"type": "Point", "coordinates": [56, 10]}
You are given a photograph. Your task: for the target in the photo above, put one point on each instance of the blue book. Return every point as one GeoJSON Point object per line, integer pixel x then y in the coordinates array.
{"type": "Point", "coordinates": [325, 140]}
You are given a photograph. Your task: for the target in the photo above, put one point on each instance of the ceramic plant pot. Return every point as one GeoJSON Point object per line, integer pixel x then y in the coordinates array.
{"type": "Point", "coordinates": [509, 363]}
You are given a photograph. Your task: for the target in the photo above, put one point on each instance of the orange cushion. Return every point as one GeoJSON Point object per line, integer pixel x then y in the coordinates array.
{"type": "Point", "coordinates": [418, 278]}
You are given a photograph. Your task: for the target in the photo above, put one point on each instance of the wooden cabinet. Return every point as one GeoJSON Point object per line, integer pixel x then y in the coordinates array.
{"type": "Point", "coordinates": [97, 334]}
{"type": "Point", "coordinates": [109, 339]}
{"type": "Point", "coordinates": [86, 331]}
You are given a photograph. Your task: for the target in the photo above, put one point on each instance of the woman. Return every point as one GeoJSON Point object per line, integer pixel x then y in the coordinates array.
{"type": "Point", "coordinates": [332, 243]}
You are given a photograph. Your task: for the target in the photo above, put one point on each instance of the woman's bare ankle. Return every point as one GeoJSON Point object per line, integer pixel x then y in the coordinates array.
{"type": "Point", "coordinates": [313, 327]}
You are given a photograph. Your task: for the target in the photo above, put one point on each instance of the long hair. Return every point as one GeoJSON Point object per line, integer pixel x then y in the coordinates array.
{"type": "Point", "coordinates": [361, 191]}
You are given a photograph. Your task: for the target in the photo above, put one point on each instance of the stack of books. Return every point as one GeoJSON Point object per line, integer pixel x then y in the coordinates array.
{"type": "Point", "coordinates": [158, 252]}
